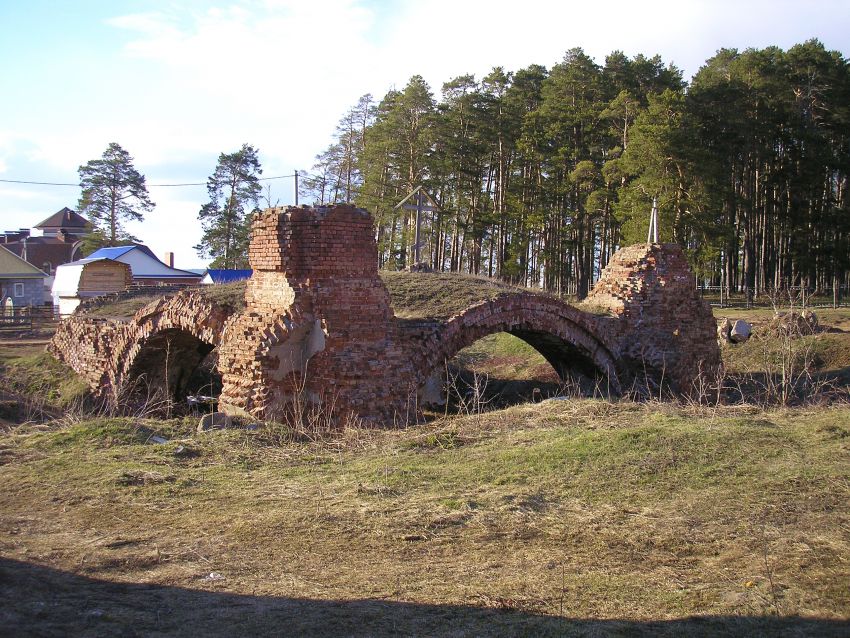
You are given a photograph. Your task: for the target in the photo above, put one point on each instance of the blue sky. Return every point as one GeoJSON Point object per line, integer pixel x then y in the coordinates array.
{"type": "Point", "coordinates": [177, 83]}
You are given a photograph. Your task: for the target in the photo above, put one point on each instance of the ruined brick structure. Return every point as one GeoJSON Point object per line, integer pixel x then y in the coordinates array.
{"type": "Point", "coordinates": [318, 320]}
{"type": "Point", "coordinates": [318, 327]}
{"type": "Point", "coordinates": [667, 326]}
{"type": "Point", "coordinates": [161, 346]}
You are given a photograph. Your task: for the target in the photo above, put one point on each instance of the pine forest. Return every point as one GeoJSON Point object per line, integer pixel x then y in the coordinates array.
{"type": "Point", "coordinates": [538, 175]}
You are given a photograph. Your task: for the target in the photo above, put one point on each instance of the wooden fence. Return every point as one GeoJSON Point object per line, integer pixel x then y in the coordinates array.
{"type": "Point", "coordinates": [28, 319]}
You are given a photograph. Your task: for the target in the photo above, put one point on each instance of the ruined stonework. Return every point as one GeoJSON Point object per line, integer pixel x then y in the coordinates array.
{"type": "Point", "coordinates": [318, 328]}
{"type": "Point", "coordinates": [158, 349]}
{"type": "Point", "coordinates": [668, 328]}
{"type": "Point", "coordinates": [318, 322]}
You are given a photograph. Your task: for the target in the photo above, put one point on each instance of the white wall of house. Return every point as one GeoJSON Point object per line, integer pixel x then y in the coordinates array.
{"type": "Point", "coordinates": [66, 281]}
{"type": "Point", "coordinates": [67, 305]}
{"type": "Point", "coordinates": [77, 281]}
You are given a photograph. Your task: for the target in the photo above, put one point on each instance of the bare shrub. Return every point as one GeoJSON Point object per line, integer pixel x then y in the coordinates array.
{"type": "Point", "coordinates": [309, 417]}
{"type": "Point", "coordinates": [468, 394]}
{"type": "Point", "coordinates": [788, 360]}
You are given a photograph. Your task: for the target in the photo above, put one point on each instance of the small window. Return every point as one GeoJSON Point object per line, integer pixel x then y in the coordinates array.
{"type": "Point", "coordinates": [19, 290]}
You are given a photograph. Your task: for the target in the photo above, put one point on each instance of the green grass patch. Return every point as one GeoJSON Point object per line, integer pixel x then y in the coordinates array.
{"type": "Point", "coordinates": [229, 295]}
{"type": "Point", "coordinates": [441, 295]}
{"type": "Point", "coordinates": [122, 308]}
{"type": "Point", "coordinates": [39, 377]}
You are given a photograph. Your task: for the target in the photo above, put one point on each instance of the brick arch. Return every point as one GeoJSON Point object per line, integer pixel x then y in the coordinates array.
{"type": "Point", "coordinates": [165, 341]}
{"type": "Point", "coordinates": [166, 360]}
{"type": "Point", "coordinates": [568, 338]}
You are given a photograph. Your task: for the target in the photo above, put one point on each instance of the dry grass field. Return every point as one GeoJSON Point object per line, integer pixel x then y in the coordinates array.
{"type": "Point", "coordinates": [560, 518]}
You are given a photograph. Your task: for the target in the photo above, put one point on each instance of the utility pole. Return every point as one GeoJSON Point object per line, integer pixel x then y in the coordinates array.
{"type": "Point", "coordinates": [296, 187]}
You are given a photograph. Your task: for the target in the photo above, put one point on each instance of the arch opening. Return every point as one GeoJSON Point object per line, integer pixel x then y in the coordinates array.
{"type": "Point", "coordinates": [578, 373]}
{"type": "Point", "coordinates": [170, 365]}
{"type": "Point", "coordinates": [514, 366]}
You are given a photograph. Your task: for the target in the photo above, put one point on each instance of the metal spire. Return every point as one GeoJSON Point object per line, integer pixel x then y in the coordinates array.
{"type": "Point", "coordinates": [652, 236]}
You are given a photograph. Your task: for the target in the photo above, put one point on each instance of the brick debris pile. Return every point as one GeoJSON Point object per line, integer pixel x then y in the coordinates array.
{"type": "Point", "coordinates": [666, 324]}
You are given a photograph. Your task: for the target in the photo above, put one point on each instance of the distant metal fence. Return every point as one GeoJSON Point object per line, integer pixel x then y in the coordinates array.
{"type": "Point", "coordinates": [799, 295]}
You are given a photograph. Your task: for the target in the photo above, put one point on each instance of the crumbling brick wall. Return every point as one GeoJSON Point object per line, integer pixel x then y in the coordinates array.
{"type": "Point", "coordinates": [318, 331]}
{"type": "Point", "coordinates": [668, 330]}
{"type": "Point", "coordinates": [112, 354]}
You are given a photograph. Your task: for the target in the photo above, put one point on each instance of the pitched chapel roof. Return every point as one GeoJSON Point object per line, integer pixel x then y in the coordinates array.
{"type": "Point", "coordinates": [65, 218]}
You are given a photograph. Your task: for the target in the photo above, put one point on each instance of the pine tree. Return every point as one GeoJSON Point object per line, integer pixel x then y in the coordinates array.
{"type": "Point", "coordinates": [337, 175]}
{"type": "Point", "coordinates": [234, 190]}
{"type": "Point", "coordinates": [540, 175]}
{"type": "Point", "coordinates": [397, 149]}
{"type": "Point", "coordinates": [113, 192]}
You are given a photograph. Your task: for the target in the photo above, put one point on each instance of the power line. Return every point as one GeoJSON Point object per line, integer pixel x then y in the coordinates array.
{"type": "Point", "coordinates": [259, 179]}
{"type": "Point", "coordinates": [25, 181]}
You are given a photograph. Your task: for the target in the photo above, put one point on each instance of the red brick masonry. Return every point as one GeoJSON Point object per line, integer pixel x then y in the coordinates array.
{"type": "Point", "coordinates": [318, 328]}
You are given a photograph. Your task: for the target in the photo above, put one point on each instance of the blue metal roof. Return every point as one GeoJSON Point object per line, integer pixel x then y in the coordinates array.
{"type": "Point", "coordinates": [220, 276]}
{"type": "Point", "coordinates": [113, 253]}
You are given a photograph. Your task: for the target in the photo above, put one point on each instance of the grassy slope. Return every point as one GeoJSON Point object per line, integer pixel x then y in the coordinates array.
{"type": "Point", "coordinates": [440, 295]}
{"type": "Point", "coordinates": [580, 510]}
{"type": "Point", "coordinates": [232, 295]}
{"type": "Point", "coordinates": [414, 295]}
{"type": "Point", "coordinates": [34, 385]}
{"type": "Point", "coordinates": [503, 356]}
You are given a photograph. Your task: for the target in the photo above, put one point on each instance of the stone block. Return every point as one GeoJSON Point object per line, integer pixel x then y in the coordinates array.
{"type": "Point", "coordinates": [214, 421]}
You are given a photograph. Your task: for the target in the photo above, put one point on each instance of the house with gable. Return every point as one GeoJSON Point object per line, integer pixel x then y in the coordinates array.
{"type": "Point", "coordinates": [21, 283]}
{"type": "Point", "coordinates": [146, 268]}
{"type": "Point", "coordinates": [65, 222]}
{"type": "Point", "coordinates": [60, 242]}
{"type": "Point", "coordinates": [114, 269]}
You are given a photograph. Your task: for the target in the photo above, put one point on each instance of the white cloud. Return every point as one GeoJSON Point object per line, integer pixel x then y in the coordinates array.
{"type": "Point", "coordinates": [186, 84]}
{"type": "Point", "coordinates": [277, 78]}
{"type": "Point", "coordinates": [173, 226]}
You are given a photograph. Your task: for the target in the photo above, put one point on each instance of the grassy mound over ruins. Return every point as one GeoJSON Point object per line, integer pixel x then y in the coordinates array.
{"type": "Point", "coordinates": [561, 518]}
{"type": "Point", "coordinates": [124, 305]}
{"type": "Point", "coordinates": [441, 295]}
{"type": "Point", "coordinates": [413, 295]}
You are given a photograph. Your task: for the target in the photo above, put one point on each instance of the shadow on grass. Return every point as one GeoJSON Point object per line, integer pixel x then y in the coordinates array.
{"type": "Point", "coordinates": [40, 601]}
